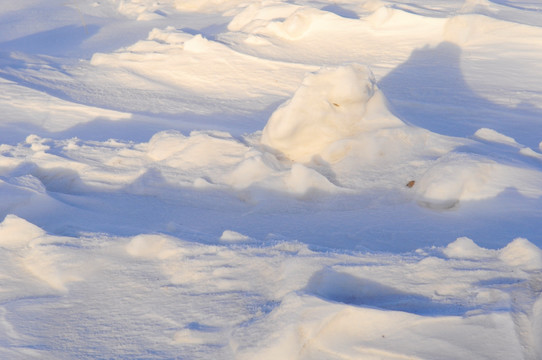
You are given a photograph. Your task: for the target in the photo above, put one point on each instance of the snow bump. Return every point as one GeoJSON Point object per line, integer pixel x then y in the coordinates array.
{"type": "Point", "coordinates": [16, 232]}
{"type": "Point", "coordinates": [465, 248]}
{"type": "Point", "coordinates": [523, 254]}
{"type": "Point", "coordinates": [233, 236]}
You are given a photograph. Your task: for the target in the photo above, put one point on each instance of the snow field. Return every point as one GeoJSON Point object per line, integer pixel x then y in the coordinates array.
{"type": "Point", "coordinates": [345, 128]}
{"type": "Point", "coordinates": [223, 179]}
{"type": "Point", "coordinates": [195, 64]}
{"type": "Point", "coordinates": [298, 303]}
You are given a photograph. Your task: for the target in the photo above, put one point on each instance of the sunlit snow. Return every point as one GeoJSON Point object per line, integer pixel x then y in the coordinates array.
{"type": "Point", "coordinates": [241, 179]}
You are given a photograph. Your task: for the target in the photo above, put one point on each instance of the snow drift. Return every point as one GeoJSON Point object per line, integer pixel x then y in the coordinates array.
{"type": "Point", "coordinates": [280, 300]}
{"type": "Point", "coordinates": [336, 134]}
{"type": "Point", "coordinates": [241, 179]}
{"type": "Point", "coordinates": [339, 116]}
{"type": "Point", "coordinates": [332, 105]}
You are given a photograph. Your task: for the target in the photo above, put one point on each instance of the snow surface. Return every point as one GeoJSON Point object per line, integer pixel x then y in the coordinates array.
{"type": "Point", "coordinates": [240, 179]}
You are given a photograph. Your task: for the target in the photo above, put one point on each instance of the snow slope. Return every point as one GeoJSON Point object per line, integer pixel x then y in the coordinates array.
{"type": "Point", "coordinates": [271, 179]}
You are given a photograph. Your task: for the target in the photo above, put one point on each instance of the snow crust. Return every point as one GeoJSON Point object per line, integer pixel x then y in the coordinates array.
{"type": "Point", "coordinates": [239, 179]}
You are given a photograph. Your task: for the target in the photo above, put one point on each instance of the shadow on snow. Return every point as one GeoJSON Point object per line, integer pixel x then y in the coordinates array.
{"type": "Point", "coordinates": [430, 91]}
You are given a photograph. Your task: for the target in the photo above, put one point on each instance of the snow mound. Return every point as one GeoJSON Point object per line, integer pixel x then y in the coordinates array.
{"type": "Point", "coordinates": [465, 248]}
{"type": "Point", "coordinates": [462, 177]}
{"type": "Point", "coordinates": [331, 105]}
{"type": "Point", "coordinates": [523, 254]}
{"type": "Point", "coordinates": [152, 247]}
{"type": "Point", "coordinates": [213, 158]}
{"type": "Point", "coordinates": [339, 117]}
{"type": "Point", "coordinates": [169, 160]}
{"type": "Point", "coordinates": [455, 178]}
{"type": "Point", "coordinates": [38, 254]}
{"type": "Point", "coordinates": [233, 236]}
{"type": "Point", "coordinates": [16, 232]}
{"type": "Point", "coordinates": [520, 253]}
{"type": "Point", "coordinates": [301, 152]}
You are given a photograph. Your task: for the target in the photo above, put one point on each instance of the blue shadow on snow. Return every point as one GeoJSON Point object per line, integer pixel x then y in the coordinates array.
{"type": "Point", "coordinates": [331, 285]}
{"type": "Point", "coordinates": [56, 42]}
{"type": "Point", "coordinates": [430, 91]}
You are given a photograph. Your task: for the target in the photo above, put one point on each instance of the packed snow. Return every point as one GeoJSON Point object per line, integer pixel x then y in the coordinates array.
{"type": "Point", "coordinates": [239, 179]}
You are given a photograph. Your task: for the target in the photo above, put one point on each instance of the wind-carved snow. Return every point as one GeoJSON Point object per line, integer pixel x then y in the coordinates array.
{"type": "Point", "coordinates": [193, 65]}
{"type": "Point", "coordinates": [23, 105]}
{"type": "Point", "coordinates": [339, 116]}
{"type": "Point", "coordinates": [330, 108]}
{"type": "Point", "coordinates": [281, 300]}
{"type": "Point", "coordinates": [241, 179]}
{"type": "Point", "coordinates": [337, 122]}
{"type": "Point", "coordinates": [233, 236]}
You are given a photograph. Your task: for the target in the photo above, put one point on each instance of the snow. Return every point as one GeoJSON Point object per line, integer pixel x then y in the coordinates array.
{"type": "Point", "coordinates": [492, 135]}
{"type": "Point", "coordinates": [333, 105]}
{"type": "Point", "coordinates": [233, 236]}
{"type": "Point", "coordinates": [238, 179]}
